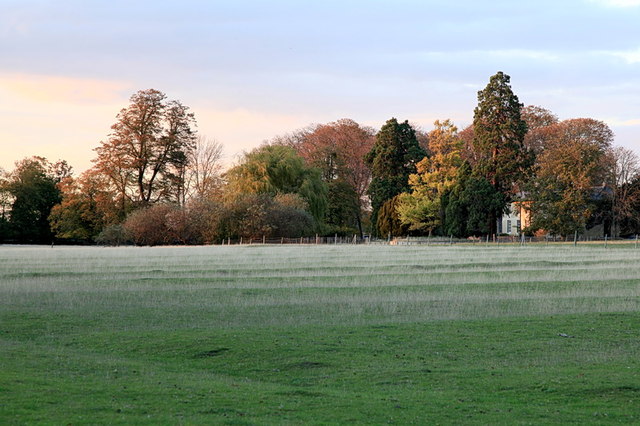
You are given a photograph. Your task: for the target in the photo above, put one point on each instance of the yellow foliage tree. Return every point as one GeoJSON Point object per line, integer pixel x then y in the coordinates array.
{"type": "Point", "coordinates": [436, 174]}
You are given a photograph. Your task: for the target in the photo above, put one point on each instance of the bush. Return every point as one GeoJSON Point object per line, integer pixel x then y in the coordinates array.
{"type": "Point", "coordinates": [255, 216]}
{"type": "Point", "coordinates": [148, 226]}
{"type": "Point", "coordinates": [113, 235]}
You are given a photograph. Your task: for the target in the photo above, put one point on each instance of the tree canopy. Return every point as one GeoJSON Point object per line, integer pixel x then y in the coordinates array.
{"type": "Point", "coordinates": [155, 182]}
{"type": "Point", "coordinates": [275, 170]}
{"type": "Point", "coordinates": [499, 132]}
{"type": "Point", "coordinates": [146, 154]}
{"type": "Point", "coordinates": [338, 149]}
{"type": "Point", "coordinates": [568, 173]}
{"type": "Point", "coordinates": [498, 141]}
{"type": "Point", "coordinates": [392, 159]}
{"type": "Point", "coordinates": [421, 209]}
{"type": "Point", "coordinates": [33, 192]}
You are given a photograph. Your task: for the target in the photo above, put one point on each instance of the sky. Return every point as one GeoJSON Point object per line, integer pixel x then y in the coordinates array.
{"type": "Point", "coordinates": [251, 70]}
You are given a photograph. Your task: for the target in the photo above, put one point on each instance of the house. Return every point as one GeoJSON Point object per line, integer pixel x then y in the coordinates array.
{"type": "Point", "coordinates": [516, 218]}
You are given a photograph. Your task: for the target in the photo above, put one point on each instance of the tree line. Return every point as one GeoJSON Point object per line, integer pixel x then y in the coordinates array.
{"type": "Point", "coordinates": [155, 181]}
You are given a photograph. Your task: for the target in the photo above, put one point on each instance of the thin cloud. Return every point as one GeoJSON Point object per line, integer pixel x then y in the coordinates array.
{"type": "Point", "coordinates": [630, 56]}
{"type": "Point", "coordinates": [617, 3]}
{"type": "Point", "coordinates": [47, 88]}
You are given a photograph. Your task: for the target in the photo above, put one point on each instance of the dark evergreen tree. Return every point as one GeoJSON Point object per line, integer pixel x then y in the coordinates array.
{"type": "Point", "coordinates": [455, 210]}
{"type": "Point", "coordinates": [343, 207]}
{"type": "Point", "coordinates": [392, 159]}
{"type": "Point", "coordinates": [480, 198]}
{"type": "Point", "coordinates": [33, 187]}
{"type": "Point", "coordinates": [498, 141]}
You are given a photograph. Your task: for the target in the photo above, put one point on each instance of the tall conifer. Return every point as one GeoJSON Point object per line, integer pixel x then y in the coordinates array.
{"type": "Point", "coordinates": [392, 159]}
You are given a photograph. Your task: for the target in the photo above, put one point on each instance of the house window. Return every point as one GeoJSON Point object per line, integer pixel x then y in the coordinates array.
{"type": "Point", "coordinates": [508, 226]}
{"type": "Point", "coordinates": [519, 225]}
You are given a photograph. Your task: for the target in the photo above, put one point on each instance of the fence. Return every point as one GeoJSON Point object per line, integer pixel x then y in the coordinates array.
{"type": "Point", "coordinates": [486, 240]}
{"type": "Point", "coordinates": [513, 239]}
{"type": "Point", "coordinates": [301, 240]}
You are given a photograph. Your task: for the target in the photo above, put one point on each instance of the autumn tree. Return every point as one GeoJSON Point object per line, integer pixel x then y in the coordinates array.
{"type": "Point", "coordinates": [197, 222]}
{"type": "Point", "coordinates": [146, 155]}
{"type": "Point", "coordinates": [421, 208]}
{"type": "Point", "coordinates": [468, 153]}
{"type": "Point", "coordinates": [569, 171]}
{"type": "Point", "coordinates": [392, 159]}
{"type": "Point", "coordinates": [498, 141]}
{"type": "Point", "coordinates": [148, 226]}
{"type": "Point", "coordinates": [539, 120]}
{"type": "Point", "coordinates": [338, 149]}
{"type": "Point", "coordinates": [86, 207]}
{"type": "Point", "coordinates": [276, 170]}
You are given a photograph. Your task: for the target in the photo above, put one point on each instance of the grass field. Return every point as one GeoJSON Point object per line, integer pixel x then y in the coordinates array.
{"type": "Point", "coordinates": [320, 334]}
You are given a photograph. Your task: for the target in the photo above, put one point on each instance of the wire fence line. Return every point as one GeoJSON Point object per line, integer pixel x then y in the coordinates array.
{"type": "Point", "coordinates": [408, 240]}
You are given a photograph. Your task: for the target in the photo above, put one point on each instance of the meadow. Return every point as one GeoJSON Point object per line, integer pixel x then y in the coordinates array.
{"type": "Point", "coordinates": [328, 334]}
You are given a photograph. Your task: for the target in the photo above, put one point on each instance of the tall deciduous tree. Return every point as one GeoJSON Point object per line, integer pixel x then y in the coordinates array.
{"type": "Point", "coordinates": [392, 159]}
{"type": "Point", "coordinates": [421, 209]}
{"type": "Point", "coordinates": [570, 174]}
{"type": "Point", "coordinates": [498, 141]}
{"type": "Point", "coordinates": [338, 150]}
{"type": "Point", "coordinates": [145, 156]}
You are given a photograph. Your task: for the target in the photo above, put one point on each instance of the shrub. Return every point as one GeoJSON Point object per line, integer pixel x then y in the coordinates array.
{"type": "Point", "coordinates": [148, 226]}
{"type": "Point", "coordinates": [113, 235]}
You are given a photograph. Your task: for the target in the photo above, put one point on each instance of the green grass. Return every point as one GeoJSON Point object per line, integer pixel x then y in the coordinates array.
{"type": "Point", "coordinates": [320, 335]}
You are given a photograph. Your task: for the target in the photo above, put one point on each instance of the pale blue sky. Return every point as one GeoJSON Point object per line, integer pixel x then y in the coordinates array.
{"type": "Point", "coordinates": [251, 70]}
